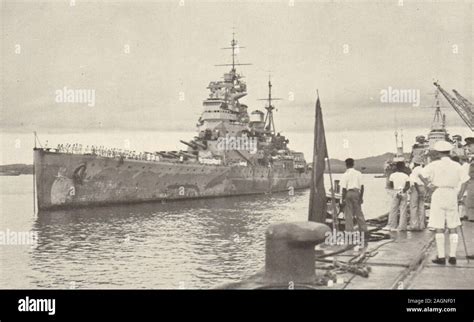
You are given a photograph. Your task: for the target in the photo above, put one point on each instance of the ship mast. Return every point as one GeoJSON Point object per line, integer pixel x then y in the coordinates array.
{"type": "Point", "coordinates": [232, 87]}
{"type": "Point", "coordinates": [269, 122]}
{"type": "Point", "coordinates": [438, 119]}
{"type": "Point", "coordinates": [234, 46]}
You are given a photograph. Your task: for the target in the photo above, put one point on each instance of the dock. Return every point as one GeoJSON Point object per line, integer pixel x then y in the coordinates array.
{"type": "Point", "coordinates": [460, 276]}
{"type": "Point", "coordinates": [401, 262]}
{"type": "Point", "coordinates": [404, 262]}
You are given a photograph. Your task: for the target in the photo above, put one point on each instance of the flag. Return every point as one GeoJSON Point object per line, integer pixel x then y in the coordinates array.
{"type": "Point", "coordinates": [317, 197]}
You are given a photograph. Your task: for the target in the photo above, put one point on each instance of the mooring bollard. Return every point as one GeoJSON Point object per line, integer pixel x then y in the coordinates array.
{"type": "Point", "coordinates": [289, 255]}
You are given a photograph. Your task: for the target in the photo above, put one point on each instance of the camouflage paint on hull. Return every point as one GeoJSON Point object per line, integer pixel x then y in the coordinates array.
{"type": "Point", "coordinates": [76, 180]}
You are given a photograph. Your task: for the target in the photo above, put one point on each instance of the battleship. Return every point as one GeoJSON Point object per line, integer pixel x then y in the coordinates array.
{"type": "Point", "coordinates": [233, 153]}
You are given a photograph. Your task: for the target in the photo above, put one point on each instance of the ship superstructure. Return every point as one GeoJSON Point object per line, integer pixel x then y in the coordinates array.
{"type": "Point", "coordinates": [438, 132]}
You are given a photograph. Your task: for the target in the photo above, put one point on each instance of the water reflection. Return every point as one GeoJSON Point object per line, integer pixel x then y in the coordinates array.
{"type": "Point", "coordinates": [188, 244]}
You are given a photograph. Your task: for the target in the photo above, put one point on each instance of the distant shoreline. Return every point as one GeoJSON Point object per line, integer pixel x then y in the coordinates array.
{"type": "Point", "coordinates": [369, 165]}
{"type": "Point", "coordinates": [16, 169]}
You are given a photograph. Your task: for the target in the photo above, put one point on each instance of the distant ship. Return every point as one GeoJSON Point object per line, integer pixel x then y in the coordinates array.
{"type": "Point", "coordinates": [234, 153]}
{"type": "Point", "coordinates": [438, 132]}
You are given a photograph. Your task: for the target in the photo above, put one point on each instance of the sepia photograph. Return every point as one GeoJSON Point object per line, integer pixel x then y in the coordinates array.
{"type": "Point", "coordinates": [237, 145]}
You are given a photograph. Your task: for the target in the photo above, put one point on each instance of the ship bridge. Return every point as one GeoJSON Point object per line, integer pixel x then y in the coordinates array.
{"type": "Point", "coordinates": [218, 114]}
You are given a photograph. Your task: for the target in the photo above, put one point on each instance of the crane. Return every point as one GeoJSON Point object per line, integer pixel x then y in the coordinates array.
{"type": "Point", "coordinates": [463, 100]}
{"type": "Point", "coordinates": [461, 105]}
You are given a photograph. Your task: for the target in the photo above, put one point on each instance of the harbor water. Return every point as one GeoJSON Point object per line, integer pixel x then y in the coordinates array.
{"type": "Point", "coordinates": [175, 245]}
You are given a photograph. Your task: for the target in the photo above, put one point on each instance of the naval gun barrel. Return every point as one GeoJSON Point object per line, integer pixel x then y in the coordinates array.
{"type": "Point", "coordinates": [199, 144]}
{"type": "Point", "coordinates": [189, 155]}
{"type": "Point", "coordinates": [165, 154]}
{"type": "Point", "coordinates": [174, 154]}
{"type": "Point", "coordinates": [191, 145]}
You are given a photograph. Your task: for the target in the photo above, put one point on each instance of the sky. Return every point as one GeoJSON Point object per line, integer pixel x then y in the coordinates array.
{"type": "Point", "coordinates": [149, 62]}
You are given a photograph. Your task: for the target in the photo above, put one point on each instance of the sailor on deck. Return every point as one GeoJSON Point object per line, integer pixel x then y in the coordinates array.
{"type": "Point", "coordinates": [417, 198]}
{"type": "Point", "coordinates": [352, 198]}
{"type": "Point", "coordinates": [444, 177]}
{"type": "Point", "coordinates": [399, 183]}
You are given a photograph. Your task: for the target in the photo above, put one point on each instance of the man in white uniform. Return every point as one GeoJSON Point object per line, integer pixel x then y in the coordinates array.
{"type": "Point", "coordinates": [444, 177]}
{"type": "Point", "coordinates": [417, 199]}
{"type": "Point", "coordinates": [352, 198]}
{"type": "Point", "coordinates": [399, 183]}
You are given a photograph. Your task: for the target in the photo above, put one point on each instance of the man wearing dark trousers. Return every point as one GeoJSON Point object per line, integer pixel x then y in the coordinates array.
{"type": "Point", "coordinates": [352, 199]}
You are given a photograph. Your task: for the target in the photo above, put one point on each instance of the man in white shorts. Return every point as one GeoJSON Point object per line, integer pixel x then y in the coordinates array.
{"type": "Point", "coordinates": [444, 177]}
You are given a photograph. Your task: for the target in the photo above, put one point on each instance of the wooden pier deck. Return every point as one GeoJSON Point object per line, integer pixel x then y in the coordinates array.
{"type": "Point", "coordinates": [404, 262]}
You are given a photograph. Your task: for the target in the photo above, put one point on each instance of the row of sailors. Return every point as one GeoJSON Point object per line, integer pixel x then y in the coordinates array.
{"type": "Point", "coordinates": [106, 152]}
{"type": "Point", "coordinates": [125, 154]}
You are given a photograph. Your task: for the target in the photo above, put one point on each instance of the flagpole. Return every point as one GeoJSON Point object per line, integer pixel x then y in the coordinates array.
{"type": "Point", "coordinates": [318, 210]}
{"type": "Point", "coordinates": [314, 169]}
{"type": "Point", "coordinates": [333, 196]}
{"type": "Point", "coordinates": [34, 177]}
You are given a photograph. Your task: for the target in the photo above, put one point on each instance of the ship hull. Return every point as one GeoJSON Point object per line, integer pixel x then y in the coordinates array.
{"type": "Point", "coordinates": [76, 180]}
